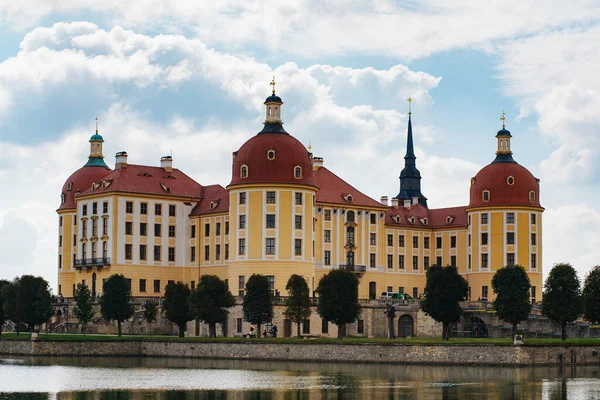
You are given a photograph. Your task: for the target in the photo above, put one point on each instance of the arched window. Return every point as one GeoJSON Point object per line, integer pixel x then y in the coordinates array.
{"type": "Point", "coordinates": [350, 216]}
{"type": "Point", "coordinates": [276, 111]}
{"type": "Point", "coordinates": [298, 172]}
{"type": "Point", "coordinates": [532, 196]}
{"type": "Point", "coordinates": [510, 180]}
{"type": "Point", "coordinates": [244, 171]}
{"type": "Point", "coordinates": [350, 234]}
{"type": "Point", "coordinates": [269, 111]}
{"type": "Point", "coordinates": [486, 195]}
{"type": "Point", "coordinates": [271, 154]}
{"type": "Point", "coordinates": [350, 258]}
{"type": "Point", "coordinates": [62, 198]}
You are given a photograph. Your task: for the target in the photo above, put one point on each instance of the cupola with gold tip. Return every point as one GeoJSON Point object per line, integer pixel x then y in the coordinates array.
{"type": "Point", "coordinates": [96, 159]}
{"type": "Point", "coordinates": [504, 153]}
{"type": "Point", "coordinates": [273, 122]}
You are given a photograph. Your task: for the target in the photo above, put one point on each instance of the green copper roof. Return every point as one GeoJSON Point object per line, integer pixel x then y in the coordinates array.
{"type": "Point", "coordinates": [96, 138]}
{"type": "Point", "coordinates": [96, 162]}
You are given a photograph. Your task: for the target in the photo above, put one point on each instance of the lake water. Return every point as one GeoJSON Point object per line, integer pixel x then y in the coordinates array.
{"type": "Point", "coordinates": [86, 378]}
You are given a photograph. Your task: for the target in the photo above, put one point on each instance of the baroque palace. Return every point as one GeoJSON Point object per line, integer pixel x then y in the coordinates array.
{"type": "Point", "coordinates": [284, 212]}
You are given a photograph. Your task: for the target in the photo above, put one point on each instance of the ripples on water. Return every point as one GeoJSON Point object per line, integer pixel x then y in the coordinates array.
{"type": "Point", "coordinates": [88, 378]}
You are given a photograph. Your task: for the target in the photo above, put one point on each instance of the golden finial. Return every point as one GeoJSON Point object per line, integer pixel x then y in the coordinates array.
{"type": "Point", "coordinates": [273, 84]}
{"type": "Point", "coordinates": [96, 125]}
{"type": "Point", "coordinates": [503, 118]}
{"type": "Point", "coordinates": [309, 147]}
{"type": "Point", "coordinates": [409, 102]}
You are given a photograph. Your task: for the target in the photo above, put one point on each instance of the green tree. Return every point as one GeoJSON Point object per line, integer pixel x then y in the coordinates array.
{"type": "Point", "coordinates": [210, 302]}
{"type": "Point", "coordinates": [338, 298]}
{"type": "Point", "coordinates": [512, 288]}
{"type": "Point", "coordinates": [115, 302]}
{"type": "Point", "coordinates": [177, 305]}
{"type": "Point", "coordinates": [12, 306]}
{"type": "Point", "coordinates": [591, 295]}
{"type": "Point", "coordinates": [444, 289]}
{"type": "Point", "coordinates": [257, 306]}
{"type": "Point", "coordinates": [150, 313]}
{"type": "Point", "coordinates": [297, 305]}
{"type": "Point", "coordinates": [27, 300]}
{"type": "Point", "coordinates": [3, 318]}
{"type": "Point", "coordinates": [561, 301]}
{"type": "Point", "coordinates": [84, 310]}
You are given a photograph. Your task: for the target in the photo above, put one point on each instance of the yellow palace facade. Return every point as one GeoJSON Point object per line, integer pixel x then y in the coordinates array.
{"type": "Point", "coordinates": [285, 213]}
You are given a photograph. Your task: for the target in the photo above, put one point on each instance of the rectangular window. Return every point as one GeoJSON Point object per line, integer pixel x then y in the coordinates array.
{"type": "Point", "coordinates": [238, 325]}
{"type": "Point", "coordinates": [84, 251]}
{"type": "Point", "coordinates": [360, 326]}
{"type": "Point", "coordinates": [372, 239]}
{"type": "Point", "coordinates": [298, 222]}
{"type": "Point", "coordinates": [390, 240]}
{"type": "Point", "coordinates": [324, 326]}
{"type": "Point", "coordinates": [453, 261]}
{"type": "Point", "coordinates": [59, 261]}
{"type": "Point", "coordinates": [242, 224]}
{"type": "Point", "coordinates": [270, 221]}
{"type": "Point", "coordinates": [128, 251]}
{"type": "Point", "coordinates": [484, 218]}
{"type": "Point", "coordinates": [306, 327]}
{"type": "Point", "coordinates": [143, 254]}
{"type": "Point", "coordinates": [227, 251]}
{"type": "Point", "coordinates": [469, 240]}
{"type": "Point", "coordinates": [104, 226]}
{"type": "Point", "coordinates": [533, 294]}
{"type": "Point", "coordinates": [193, 232]}
{"type": "Point", "coordinates": [94, 227]}
{"type": "Point", "coordinates": [484, 292]}
{"type": "Point", "coordinates": [241, 285]}
{"type": "Point", "coordinates": [510, 238]}
{"type": "Point", "coordinates": [298, 197]}
{"type": "Point", "coordinates": [158, 209]}
{"type": "Point", "coordinates": [533, 239]}
{"type": "Point", "coordinates": [415, 242]}
{"type": "Point", "coordinates": [327, 257]}
{"type": "Point", "coordinates": [401, 262]}
{"type": "Point", "coordinates": [390, 261]}
{"type": "Point", "coordinates": [510, 259]}
{"type": "Point", "coordinates": [327, 235]}
{"type": "Point", "coordinates": [438, 242]}
{"type": "Point", "coordinates": [171, 230]}
{"type": "Point", "coordinates": [157, 230]}
{"type": "Point", "coordinates": [142, 285]}
{"type": "Point", "coordinates": [192, 254]}
{"type": "Point", "coordinates": [438, 261]}
{"type": "Point", "coordinates": [143, 229]}
{"type": "Point", "coordinates": [453, 241]}
{"type": "Point", "coordinates": [227, 227]}
{"type": "Point", "coordinates": [327, 215]}
{"type": "Point", "coordinates": [415, 263]}
{"type": "Point", "coordinates": [128, 228]}
{"type": "Point", "coordinates": [270, 246]}
{"type": "Point", "coordinates": [242, 197]}
{"type": "Point", "coordinates": [484, 260]}
{"type": "Point", "coordinates": [372, 260]}
{"type": "Point", "coordinates": [470, 262]}
{"type": "Point", "coordinates": [510, 218]}
{"type": "Point", "coordinates": [129, 207]}
{"type": "Point", "coordinates": [484, 238]}
{"type": "Point", "coordinates": [426, 263]}
{"type": "Point", "coordinates": [218, 252]}
{"type": "Point", "coordinates": [60, 221]}
{"type": "Point", "coordinates": [271, 280]}
{"type": "Point", "coordinates": [105, 207]}
{"type": "Point", "coordinates": [534, 261]}
{"type": "Point", "coordinates": [143, 208]}
{"type": "Point", "coordinates": [270, 197]}
{"type": "Point", "coordinates": [298, 247]}
{"type": "Point", "coordinates": [373, 218]}
{"type": "Point", "coordinates": [401, 240]}
{"type": "Point", "coordinates": [533, 219]}
{"type": "Point", "coordinates": [156, 286]}
{"type": "Point", "coordinates": [242, 247]}
{"type": "Point", "coordinates": [94, 208]}
{"type": "Point", "coordinates": [171, 254]}
{"type": "Point", "coordinates": [218, 229]}
{"type": "Point", "coordinates": [206, 253]}
{"type": "Point", "coordinates": [415, 292]}
{"type": "Point", "coordinates": [171, 210]}
{"type": "Point", "coordinates": [84, 210]}
{"type": "Point", "coordinates": [206, 230]}
{"type": "Point", "coordinates": [426, 242]}
{"type": "Point", "coordinates": [157, 253]}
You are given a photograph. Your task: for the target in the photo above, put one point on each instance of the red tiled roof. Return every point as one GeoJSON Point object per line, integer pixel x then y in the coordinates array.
{"type": "Point", "coordinates": [80, 181]}
{"type": "Point", "coordinates": [333, 189]}
{"type": "Point", "coordinates": [436, 218]}
{"type": "Point", "coordinates": [148, 180]}
{"type": "Point", "coordinates": [215, 194]}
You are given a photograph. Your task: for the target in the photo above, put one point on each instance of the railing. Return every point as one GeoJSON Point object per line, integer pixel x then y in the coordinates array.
{"type": "Point", "coordinates": [354, 268]}
{"type": "Point", "coordinates": [91, 262]}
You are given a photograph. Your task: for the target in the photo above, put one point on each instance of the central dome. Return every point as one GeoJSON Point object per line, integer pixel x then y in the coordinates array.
{"type": "Point", "coordinates": [506, 184]}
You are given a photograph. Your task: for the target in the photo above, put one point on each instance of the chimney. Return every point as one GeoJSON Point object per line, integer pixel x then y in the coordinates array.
{"type": "Point", "coordinates": [166, 162]}
{"type": "Point", "coordinates": [317, 163]}
{"type": "Point", "coordinates": [384, 200]}
{"type": "Point", "coordinates": [121, 160]}
{"type": "Point", "coordinates": [395, 202]}
{"type": "Point", "coordinates": [407, 204]}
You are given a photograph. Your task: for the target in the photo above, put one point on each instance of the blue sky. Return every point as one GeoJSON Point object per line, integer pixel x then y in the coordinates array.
{"type": "Point", "coordinates": [190, 78]}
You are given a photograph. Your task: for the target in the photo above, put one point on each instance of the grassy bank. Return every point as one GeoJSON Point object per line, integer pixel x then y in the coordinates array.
{"type": "Point", "coordinates": [347, 341]}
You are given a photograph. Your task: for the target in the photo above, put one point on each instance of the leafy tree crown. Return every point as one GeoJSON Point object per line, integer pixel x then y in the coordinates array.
{"type": "Point", "coordinates": [115, 300]}
{"type": "Point", "coordinates": [512, 288]}
{"type": "Point", "coordinates": [338, 297]}
{"type": "Point", "coordinates": [257, 306]}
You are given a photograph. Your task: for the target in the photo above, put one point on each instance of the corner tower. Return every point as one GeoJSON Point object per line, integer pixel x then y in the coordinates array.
{"type": "Point", "coordinates": [410, 177]}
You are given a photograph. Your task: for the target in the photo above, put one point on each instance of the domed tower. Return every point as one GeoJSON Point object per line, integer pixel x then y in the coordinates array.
{"type": "Point", "coordinates": [505, 221]}
{"type": "Point", "coordinates": [92, 171]}
{"type": "Point", "coordinates": [272, 197]}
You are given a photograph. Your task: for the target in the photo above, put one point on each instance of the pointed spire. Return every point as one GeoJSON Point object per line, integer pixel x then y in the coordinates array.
{"type": "Point", "coordinates": [410, 151]}
{"type": "Point", "coordinates": [96, 125]}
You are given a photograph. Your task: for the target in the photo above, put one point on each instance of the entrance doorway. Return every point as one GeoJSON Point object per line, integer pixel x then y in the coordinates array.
{"type": "Point", "coordinates": [93, 286]}
{"type": "Point", "coordinates": [406, 326]}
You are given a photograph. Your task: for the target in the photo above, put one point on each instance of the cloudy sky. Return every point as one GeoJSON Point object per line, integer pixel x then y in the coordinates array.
{"type": "Point", "coordinates": [189, 77]}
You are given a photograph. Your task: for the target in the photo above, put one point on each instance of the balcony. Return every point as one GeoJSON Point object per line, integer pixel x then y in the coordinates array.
{"type": "Point", "coordinates": [89, 263]}
{"type": "Point", "coordinates": [358, 269]}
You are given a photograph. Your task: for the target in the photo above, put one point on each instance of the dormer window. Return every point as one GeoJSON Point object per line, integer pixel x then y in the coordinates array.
{"type": "Point", "coordinates": [397, 219]}
{"type": "Point", "coordinates": [424, 221]}
{"type": "Point", "coordinates": [486, 195]}
{"type": "Point", "coordinates": [213, 205]}
{"type": "Point", "coordinates": [348, 198]}
{"type": "Point", "coordinates": [244, 171]}
{"type": "Point", "coordinates": [510, 180]}
{"type": "Point", "coordinates": [69, 186]}
{"type": "Point", "coordinates": [472, 181]}
{"type": "Point", "coordinates": [298, 172]}
{"type": "Point", "coordinates": [411, 220]}
{"type": "Point", "coordinates": [271, 154]}
{"type": "Point", "coordinates": [532, 196]}
{"type": "Point", "coordinates": [449, 219]}
{"type": "Point", "coordinates": [62, 198]}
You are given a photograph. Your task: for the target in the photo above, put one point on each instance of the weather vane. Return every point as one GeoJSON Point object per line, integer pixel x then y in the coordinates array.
{"type": "Point", "coordinates": [273, 84]}
{"type": "Point", "coordinates": [503, 118]}
{"type": "Point", "coordinates": [96, 124]}
{"type": "Point", "coordinates": [409, 102]}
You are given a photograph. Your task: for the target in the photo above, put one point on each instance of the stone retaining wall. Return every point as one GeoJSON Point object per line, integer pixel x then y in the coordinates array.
{"type": "Point", "coordinates": [367, 353]}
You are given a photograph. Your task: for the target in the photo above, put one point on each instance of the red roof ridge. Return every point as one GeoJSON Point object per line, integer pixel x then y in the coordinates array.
{"type": "Point", "coordinates": [335, 194]}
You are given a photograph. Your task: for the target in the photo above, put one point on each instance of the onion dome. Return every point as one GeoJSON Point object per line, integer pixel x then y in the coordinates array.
{"type": "Point", "coordinates": [504, 182]}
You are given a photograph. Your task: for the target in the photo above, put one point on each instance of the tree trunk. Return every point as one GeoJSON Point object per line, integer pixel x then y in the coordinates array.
{"type": "Point", "coordinates": [83, 329]}
{"type": "Point", "coordinates": [298, 329]}
{"type": "Point", "coordinates": [119, 328]}
{"type": "Point", "coordinates": [212, 330]}
{"type": "Point", "coordinates": [150, 328]}
{"type": "Point", "coordinates": [197, 327]}
{"type": "Point", "coordinates": [1, 323]}
{"type": "Point", "coordinates": [564, 330]}
{"type": "Point", "coordinates": [514, 328]}
{"type": "Point", "coordinates": [182, 330]}
{"type": "Point", "coordinates": [340, 331]}
{"type": "Point", "coordinates": [444, 330]}
{"type": "Point", "coordinates": [258, 332]}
